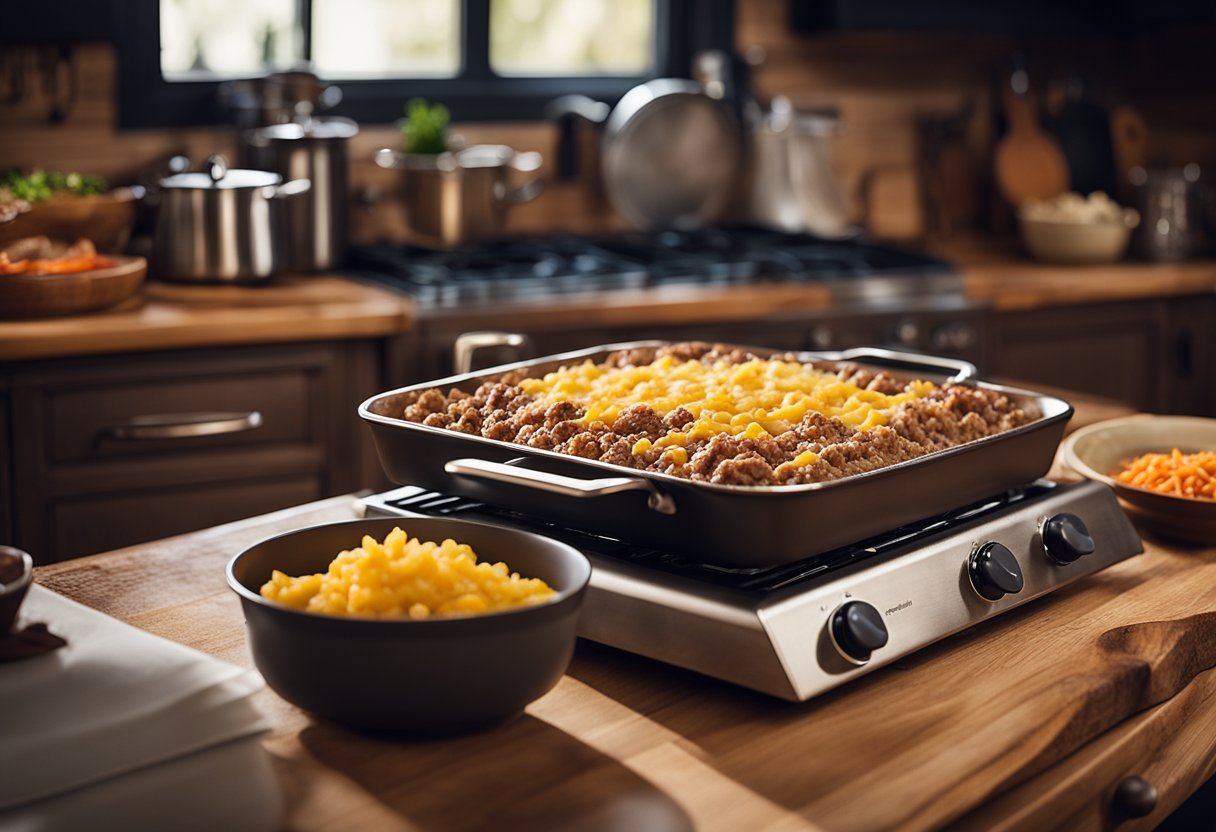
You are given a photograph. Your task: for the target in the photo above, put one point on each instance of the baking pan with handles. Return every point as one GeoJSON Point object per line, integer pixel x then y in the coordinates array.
{"type": "Point", "coordinates": [729, 525]}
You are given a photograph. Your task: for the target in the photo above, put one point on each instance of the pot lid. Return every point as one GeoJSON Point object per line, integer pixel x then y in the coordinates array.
{"type": "Point", "coordinates": [217, 175]}
{"type": "Point", "coordinates": [316, 128]}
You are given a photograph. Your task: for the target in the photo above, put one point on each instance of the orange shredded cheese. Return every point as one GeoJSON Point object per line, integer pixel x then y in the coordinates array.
{"type": "Point", "coordinates": [1176, 474]}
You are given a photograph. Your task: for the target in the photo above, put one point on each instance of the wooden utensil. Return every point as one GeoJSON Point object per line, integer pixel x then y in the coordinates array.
{"type": "Point", "coordinates": [1129, 139]}
{"type": "Point", "coordinates": [45, 295]}
{"type": "Point", "coordinates": [1029, 163]}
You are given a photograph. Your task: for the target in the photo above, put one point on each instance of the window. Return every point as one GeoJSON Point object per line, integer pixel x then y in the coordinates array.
{"type": "Point", "coordinates": [485, 59]}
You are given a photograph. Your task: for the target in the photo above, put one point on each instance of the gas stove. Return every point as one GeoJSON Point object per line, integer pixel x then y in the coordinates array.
{"type": "Point", "coordinates": [800, 629]}
{"type": "Point", "coordinates": [519, 269]}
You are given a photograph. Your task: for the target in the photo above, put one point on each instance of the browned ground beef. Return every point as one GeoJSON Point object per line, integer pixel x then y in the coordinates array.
{"type": "Point", "coordinates": [949, 416]}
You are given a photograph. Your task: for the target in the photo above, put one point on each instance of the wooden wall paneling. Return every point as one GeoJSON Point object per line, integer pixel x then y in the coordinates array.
{"type": "Point", "coordinates": [880, 81]}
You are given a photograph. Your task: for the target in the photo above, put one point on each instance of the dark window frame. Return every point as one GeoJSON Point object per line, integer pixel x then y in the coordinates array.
{"type": "Point", "coordinates": [147, 100]}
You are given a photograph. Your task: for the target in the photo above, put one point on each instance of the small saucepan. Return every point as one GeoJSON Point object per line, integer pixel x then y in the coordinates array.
{"type": "Point", "coordinates": [221, 225]}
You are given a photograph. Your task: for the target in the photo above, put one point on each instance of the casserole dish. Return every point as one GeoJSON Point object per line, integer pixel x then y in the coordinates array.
{"type": "Point", "coordinates": [729, 525]}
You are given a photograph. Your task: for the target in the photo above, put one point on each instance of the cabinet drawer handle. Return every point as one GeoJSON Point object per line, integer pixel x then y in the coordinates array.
{"type": "Point", "coordinates": [181, 425]}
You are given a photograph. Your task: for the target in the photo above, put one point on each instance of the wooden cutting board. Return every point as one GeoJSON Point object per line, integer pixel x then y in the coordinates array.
{"type": "Point", "coordinates": [1029, 163]}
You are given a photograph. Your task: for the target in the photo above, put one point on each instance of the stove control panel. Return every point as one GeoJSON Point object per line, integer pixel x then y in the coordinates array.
{"type": "Point", "coordinates": [803, 636]}
{"type": "Point", "coordinates": [869, 614]}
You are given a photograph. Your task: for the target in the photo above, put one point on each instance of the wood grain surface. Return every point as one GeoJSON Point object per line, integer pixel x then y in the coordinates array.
{"type": "Point", "coordinates": [1028, 721]}
{"type": "Point", "coordinates": [164, 316]}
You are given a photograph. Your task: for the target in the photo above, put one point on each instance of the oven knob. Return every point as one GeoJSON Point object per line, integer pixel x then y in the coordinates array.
{"type": "Point", "coordinates": [954, 336]}
{"type": "Point", "coordinates": [822, 337]}
{"type": "Point", "coordinates": [1066, 538]}
{"type": "Point", "coordinates": [857, 631]}
{"type": "Point", "coordinates": [995, 572]}
{"type": "Point", "coordinates": [907, 333]}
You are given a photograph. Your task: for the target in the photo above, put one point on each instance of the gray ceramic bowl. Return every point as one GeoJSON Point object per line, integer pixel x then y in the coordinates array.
{"type": "Point", "coordinates": [434, 676]}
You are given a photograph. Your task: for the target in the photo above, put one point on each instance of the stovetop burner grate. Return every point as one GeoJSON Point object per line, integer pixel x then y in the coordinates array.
{"type": "Point", "coordinates": [526, 267]}
{"type": "Point", "coordinates": [759, 580]}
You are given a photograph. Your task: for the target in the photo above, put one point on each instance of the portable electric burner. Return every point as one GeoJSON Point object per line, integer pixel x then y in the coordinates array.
{"type": "Point", "coordinates": [799, 629]}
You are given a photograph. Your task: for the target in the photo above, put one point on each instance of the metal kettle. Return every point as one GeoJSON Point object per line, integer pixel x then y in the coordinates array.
{"type": "Point", "coordinates": [793, 187]}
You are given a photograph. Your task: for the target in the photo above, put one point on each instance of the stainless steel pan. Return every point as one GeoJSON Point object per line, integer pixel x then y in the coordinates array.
{"type": "Point", "coordinates": [738, 526]}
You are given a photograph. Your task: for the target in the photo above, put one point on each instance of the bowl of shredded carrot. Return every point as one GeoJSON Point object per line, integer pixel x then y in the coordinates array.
{"type": "Point", "coordinates": [1163, 469]}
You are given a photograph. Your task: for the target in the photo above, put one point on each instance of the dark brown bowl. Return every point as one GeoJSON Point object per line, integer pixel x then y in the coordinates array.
{"type": "Point", "coordinates": [434, 676]}
{"type": "Point", "coordinates": [16, 575]}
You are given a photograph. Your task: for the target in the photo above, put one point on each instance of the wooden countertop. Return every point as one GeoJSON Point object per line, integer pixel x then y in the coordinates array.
{"type": "Point", "coordinates": [1026, 721]}
{"type": "Point", "coordinates": [166, 316]}
{"type": "Point", "coordinates": [998, 274]}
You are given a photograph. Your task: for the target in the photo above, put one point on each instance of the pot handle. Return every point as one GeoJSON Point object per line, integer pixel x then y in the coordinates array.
{"type": "Point", "coordinates": [390, 159]}
{"type": "Point", "coordinates": [964, 371]}
{"type": "Point", "coordinates": [557, 484]}
{"type": "Point", "coordinates": [293, 188]}
{"type": "Point", "coordinates": [525, 163]}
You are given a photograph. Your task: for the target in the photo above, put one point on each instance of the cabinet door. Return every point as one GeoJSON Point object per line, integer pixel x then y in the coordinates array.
{"type": "Point", "coordinates": [1191, 347]}
{"type": "Point", "coordinates": [1112, 350]}
{"type": "Point", "coordinates": [95, 477]}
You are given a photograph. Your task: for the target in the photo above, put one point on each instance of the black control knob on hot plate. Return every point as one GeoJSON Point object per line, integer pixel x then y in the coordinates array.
{"type": "Point", "coordinates": [857, 630]}
{"type": "Point", "coordinates": [995, 572]}
{"type": "Point", "coordinates": [1066, 538]}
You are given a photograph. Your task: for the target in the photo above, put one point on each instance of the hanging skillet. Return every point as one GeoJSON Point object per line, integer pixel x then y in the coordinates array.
{"type": "Point", "coordinates": [670, 154]}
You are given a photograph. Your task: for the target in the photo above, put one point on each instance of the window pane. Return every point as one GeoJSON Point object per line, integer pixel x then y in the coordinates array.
{"type": "Point", "coordinates": [230, 38]}
{"type": "Point", "coordinates": [571, 37]}
{"type": "Point", "coordinates": [385, 38]}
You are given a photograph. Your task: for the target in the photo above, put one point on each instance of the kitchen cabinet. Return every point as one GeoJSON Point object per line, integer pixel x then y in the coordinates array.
{"type": "Point", "coordinates": [1154, 355]}
{"type": "Point", "coordinates": [113, 450]}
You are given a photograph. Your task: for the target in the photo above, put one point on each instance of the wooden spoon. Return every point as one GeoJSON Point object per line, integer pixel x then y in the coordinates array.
{"type": "Point", "coordinates": [1029, 163]}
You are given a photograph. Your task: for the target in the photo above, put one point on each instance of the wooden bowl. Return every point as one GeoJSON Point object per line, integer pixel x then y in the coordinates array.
{"type": "Point", "coordinates": [48, 295]}
{"type": "Point", "coordinates": [105, 219]}
{"type": "Point", "coordinates": [1095, 451]}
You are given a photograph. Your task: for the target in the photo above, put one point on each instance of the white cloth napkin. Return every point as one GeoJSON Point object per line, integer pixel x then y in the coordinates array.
{"type": "Point", "coordinates": [115, 701]}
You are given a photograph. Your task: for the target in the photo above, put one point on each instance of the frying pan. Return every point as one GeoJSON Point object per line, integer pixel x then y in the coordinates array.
{"type": "Point", "coordinates": [669, 152]}
{"type": "Point", "coordinates": [728, 525]}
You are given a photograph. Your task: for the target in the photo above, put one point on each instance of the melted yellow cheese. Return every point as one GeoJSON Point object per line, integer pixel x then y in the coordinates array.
{"type": "Point", "coordinates": [753, 399]}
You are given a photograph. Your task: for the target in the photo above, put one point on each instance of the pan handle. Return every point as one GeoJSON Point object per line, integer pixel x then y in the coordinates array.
{"type": "Point", "coordinates": [557, 484]}
{"type": "Point", "coordinates": [468, 343]}
{"type": "Point", "coordinates": [964, 371]}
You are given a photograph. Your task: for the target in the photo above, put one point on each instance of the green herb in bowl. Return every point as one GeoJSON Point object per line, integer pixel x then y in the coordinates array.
{"type": "Point", "coordinates": [39, 185]}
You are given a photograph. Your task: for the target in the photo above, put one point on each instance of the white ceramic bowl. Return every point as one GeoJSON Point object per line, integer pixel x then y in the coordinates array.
{"type": "Point", "coordinates": [1098, 450]}
{"type": "Point", "coordinates": [1076, 243]}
